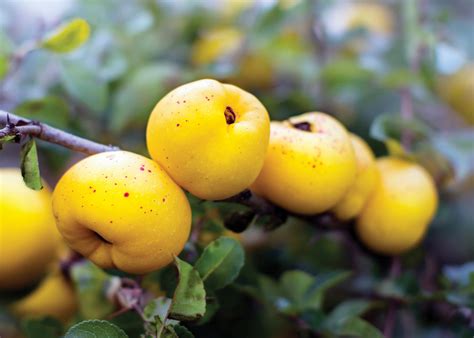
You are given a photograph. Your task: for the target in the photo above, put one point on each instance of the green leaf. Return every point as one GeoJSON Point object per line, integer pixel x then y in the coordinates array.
{"type": "Point", "coordinates": [220, 263]}
{"type": "Point", "coordinates": [189, 299]}
{"type": "Point", "coordinates": [68, 36]}
{"type": "Point", "coordinates": [389, 128]}
{"type": "Point", "coordinates": [357, 327]}
{"type": "Point", "coordinates": [212, 305]}
{"type": "Point", "coordinates": [30, 166]}
{"type": "Point", "coordinates": [347, 310]}
{"type": "Point", "coordinates": [85, 86]}
{"type": "Point", "coordinates": [157, 307]}
{"type": "Point", "coordinates": [42, 328]}
{"type": "Point", "coordinates": [294, 286]}
{"type": "Point", "coordinates": [323, 282]}
{"type": "Point", "coordinates": [5, 139]}
{"type": "Point", "coordinates": [52, 110]}
{"type": "Point", "coordinates": [91, 283]}
{"type": "Point", "coordinates": [138, 94]}
{"type": "Point", "coordinates": [95, 329]}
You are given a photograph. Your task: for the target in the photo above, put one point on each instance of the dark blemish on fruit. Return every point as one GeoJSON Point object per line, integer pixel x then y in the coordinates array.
{"type": "Point", "coordinates": [110, 222]}
{"type": "Point", "coordinates": [314, 166]}
{"type": "Point", "coordinates": [304, 126]}
{"type": "Point", "coordinates": [94, 190]}
{"type": "Point", "coordinates": [142, 168]}
{"type": "Point", "coordinates": [184, 101]}
{"type": "Point", "coordinates": [164, 199]}
{"type": "Point", "coordinates": [229, 115]}
{"type": "Point", "coordinates": [177, 124]}
{"type": "Point", "coordinates": [207, 98]}
{"type": "Point", "coordinates": [177, 102]}
{"type": "Point", "coordinates": [115, 183]}
{"type": "Point", "coordinates": [126, 194]}
{"type": "Point", "coordinates": [149, 170]}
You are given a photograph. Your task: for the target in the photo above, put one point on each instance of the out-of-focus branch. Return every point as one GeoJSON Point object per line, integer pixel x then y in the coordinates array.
{"type": "Point", "coordinates": [17, 126]}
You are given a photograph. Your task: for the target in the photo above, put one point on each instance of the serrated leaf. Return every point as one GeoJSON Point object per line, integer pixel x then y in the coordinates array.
{"type": "Point", "coordinates": [42, 328]}
{"type": "Point", "coordinates": [220, 263]}
{"type": "Point", "coordinates": [52, 110]}
{"type": "Point", "coordinates": [30, 166]}
{"type": "Point", "coordinates": [85, 86]}
{"type": "Point", "coordinates": [212, 305]}
{"type": "Point", "coordinates": [95, 329]}
{"type": "Point", "coordinates": [189, 299]}
{"type": "Point", "coordinates": [91, 283]}
{"type": "Point", "coordinates": [357, 327]}
{"type": "Point", "coordinates": [68, 36]}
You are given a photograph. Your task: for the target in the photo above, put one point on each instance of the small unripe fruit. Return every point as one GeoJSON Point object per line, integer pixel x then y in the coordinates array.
{"type": "Point", "coordinates": [121, 210]}
{"type": "Point", "coordinates": [28, 237]}
{"type": "Point", "coordinates": [398, 212]}
{"type": "Point", "coordinates": [310, 164]}
{"type": "Point", "coordinates": [211, 138]}
{"type": "Point", "coordinates": [366, 179]}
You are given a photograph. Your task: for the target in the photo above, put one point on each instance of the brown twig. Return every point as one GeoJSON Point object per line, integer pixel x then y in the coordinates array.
{"type": "Point", "coordinates": [19, 126]}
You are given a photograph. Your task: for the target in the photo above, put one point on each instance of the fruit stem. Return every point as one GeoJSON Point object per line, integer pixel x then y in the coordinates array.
{"type": "Point", "coordinates": [18, 126]}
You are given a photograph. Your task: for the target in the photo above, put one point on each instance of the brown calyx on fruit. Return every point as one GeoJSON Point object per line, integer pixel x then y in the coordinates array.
{"type": "Point", "coordinates": [304, 126]}
{"type": "Point", "coordinates": [229, 115]}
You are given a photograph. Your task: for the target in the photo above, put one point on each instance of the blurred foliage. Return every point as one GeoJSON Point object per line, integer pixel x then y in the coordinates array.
{"type": "Point", "coordinates": [99, 67]}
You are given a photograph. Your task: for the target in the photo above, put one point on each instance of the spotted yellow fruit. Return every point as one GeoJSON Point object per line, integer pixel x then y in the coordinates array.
{"type": "Point", "coordinates": [366, 179]}
{"type": "Point", "coordinates": [310, 164]}
{"type": "Point", "coordinates": [121, 210]}
{"type": "Point", "coordinates": [211, 138]}
{"type": "Point", "coordinates": [398, 213]}
{"type": "Point", "coordinates": [28, 237]}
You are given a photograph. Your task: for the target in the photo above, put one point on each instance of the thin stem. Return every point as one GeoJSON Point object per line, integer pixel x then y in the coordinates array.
{"type": "Point", "coordinates": [19, 126]}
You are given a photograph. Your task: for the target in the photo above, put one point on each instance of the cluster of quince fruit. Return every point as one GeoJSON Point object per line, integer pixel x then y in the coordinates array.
{"type": "Point", "coordinates": [126, 211]}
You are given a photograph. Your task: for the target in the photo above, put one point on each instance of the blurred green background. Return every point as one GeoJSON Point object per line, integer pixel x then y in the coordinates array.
{"type": "Point", "coordinates": [357, 60]}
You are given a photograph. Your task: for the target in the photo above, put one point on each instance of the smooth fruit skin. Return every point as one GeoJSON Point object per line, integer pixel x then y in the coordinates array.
{"type": "Point", "coordinates": [54, 297]}
{"type": "Point", "coordinates": [396, 217]}
{"type": "Point", "coordinates": [307, 172]}
{"type": "Point", "coordinates": [121, 210]}
{"type": "Point", "coordinates": [457, 90]}
{"type": "Point", "coordinates": [28, 237]}
{"type": "Point", "coordinates": [202, 149]}
{"type": "Point", "coordinates": [366, 179]}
